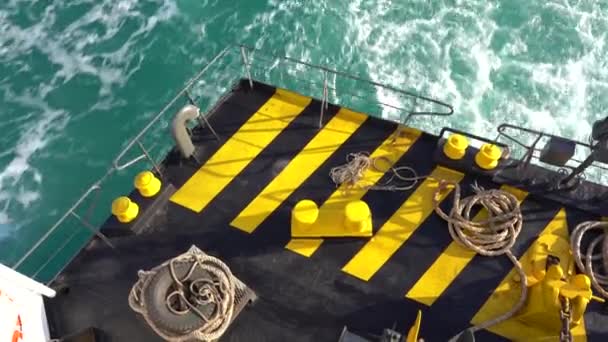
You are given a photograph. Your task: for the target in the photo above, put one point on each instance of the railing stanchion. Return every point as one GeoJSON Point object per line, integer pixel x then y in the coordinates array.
{"type": "Point", "coordinates": [324, 104]}
{"type": "Point", "coordinates": [156, 168]}
{"type": "Point", "coordinates": [29, 252]}
{"type": "Point", "coordinates": [202, 117]}
{"type": "Point", "coordinates": [246, 64]}
{"type": "Point", "coordinates": [93, 230]}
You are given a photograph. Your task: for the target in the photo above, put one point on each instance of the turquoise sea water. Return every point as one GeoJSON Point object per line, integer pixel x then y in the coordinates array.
{"type": "Point", "coordinates": [78, 78]}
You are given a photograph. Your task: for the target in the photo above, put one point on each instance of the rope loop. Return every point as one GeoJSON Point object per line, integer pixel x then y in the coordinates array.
{"type": "Point", "coordinates": [492, 236]}
{"type": "Point", "coordinates": [189, 292]}
{"type": "Point", "coordinates": [351, 174]}
{"type": "Point", "coordinates": [585, 258]}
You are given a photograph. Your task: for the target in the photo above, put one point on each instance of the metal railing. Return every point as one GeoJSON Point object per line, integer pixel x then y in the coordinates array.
{"type": "Point", "coordinates": [447, 109]}
{"type": "Point", "coordinates": [251, 60]}
{"type": "Point", "coordinates": [533, 151]}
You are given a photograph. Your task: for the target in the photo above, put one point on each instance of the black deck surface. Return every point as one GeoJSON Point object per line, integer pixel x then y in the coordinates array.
{"type": "Point", "coordinates": [300, 299]}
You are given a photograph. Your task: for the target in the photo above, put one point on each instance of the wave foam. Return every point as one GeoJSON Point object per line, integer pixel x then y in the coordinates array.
{"type": "Point", "coordinates": [38, 44]}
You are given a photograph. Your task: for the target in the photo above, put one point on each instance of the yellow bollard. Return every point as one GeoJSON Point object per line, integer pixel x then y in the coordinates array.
{"type": "Point", "coordinates": [303, 217]}
{"type": "Point", "coordinates": [124, 209]}
{"type": "Point", "coordinates": [147, 184]}
{"type": "Point", "coordinates": [358, 217]}
{"type": "Point", "coordinates": [488, 156]}
{"type": "Point", "coordinates": [309, 221]}
{"type": "Point", "coordinates": [455, 146]}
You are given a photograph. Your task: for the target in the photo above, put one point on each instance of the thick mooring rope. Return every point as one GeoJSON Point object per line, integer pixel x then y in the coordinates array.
{"type": "Point", "coordinates": [584, 260]}
{"type": "Point", "coordinates": [491, 237]}
{"type": "Point", "coordinates": [351, 174]}
{"type": "Point", "coordinates": [220, 291]}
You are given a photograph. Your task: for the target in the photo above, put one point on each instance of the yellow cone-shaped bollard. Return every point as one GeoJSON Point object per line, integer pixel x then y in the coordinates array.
{"type": "Point", "coordinates": [455, 146]}
{"type": "Point", "coordinates": [124, 209]}
{"type": "Point", "coordinates": [303, 217]}
{"type": "Point", "coordinates": [357, 217]}
{"type": "Point", "coordinates": [488, 156]}
{"type": "Point", "coordinates": [147, 184]}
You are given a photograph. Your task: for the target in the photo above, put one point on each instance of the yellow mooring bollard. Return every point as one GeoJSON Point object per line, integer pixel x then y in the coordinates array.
{"type": "Point", "coordinates": [303, 217]}
{"type": "Point", "coordinates": [147, 184]}
{"type": "Point", "coordinates": [357, 218]}
{"type": "Point", "coordinates": [488, 156]}
{"type": "Point", "coordinates": [124, 209]}
{"type": "Point", "coordinates": [455, 146]}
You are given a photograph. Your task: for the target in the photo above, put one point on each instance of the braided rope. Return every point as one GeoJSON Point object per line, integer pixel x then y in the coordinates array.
{"type": "Point", "coordinates": [585, 261]}
{"type": "Point", "coordinates": [221, 292]}
{"type": "Point", "coordinates": [351, 174]}
{"type": "Point", "coordinates": [491, 237]}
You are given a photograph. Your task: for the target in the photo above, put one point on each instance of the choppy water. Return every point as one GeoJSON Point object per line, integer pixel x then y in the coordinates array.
{"type": "Point", "coordinates": [79, 77]}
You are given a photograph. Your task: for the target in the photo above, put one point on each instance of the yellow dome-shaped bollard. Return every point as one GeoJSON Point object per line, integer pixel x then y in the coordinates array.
{"type": "Point", "coordinates": [358, 217]}
{"type": "Point", "coordinates": [455, 146]}
{"type": "Point", "coordinates": [124, 209]}
{"type": "Point", "coordinates": [488, 156]}
{"type": "Point", "coordinates": [147, 184]}
{"type": "Point", "coordinates": [303, 217]}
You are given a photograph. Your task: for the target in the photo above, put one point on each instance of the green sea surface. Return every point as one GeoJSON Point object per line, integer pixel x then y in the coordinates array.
{"type": "Point", "coordinates": [79, 78]}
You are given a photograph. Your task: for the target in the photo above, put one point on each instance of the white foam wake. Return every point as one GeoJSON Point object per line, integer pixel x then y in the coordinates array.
{"type": "Point", "coordinates": [50, 51]}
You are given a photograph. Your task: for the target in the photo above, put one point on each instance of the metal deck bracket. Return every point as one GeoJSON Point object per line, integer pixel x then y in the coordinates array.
{"type": "Point", "coordinates": [324, 103]}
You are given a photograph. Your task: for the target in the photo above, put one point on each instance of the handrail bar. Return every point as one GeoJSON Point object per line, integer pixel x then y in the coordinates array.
{"type": "Point", "coordinates": [384, 104]}
{"type": "Point", "coordinates": [361, 79]}
{"type": "Point", "coordinates": [504, 126]}
{"type": "Point", "coordinates": [135, 139]}
{"type": "Point", "coordinates": [94, 187]}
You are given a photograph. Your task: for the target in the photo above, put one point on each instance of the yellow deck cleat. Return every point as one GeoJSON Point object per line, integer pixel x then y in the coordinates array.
{"type": "Point", "coordinates": [353, 219]}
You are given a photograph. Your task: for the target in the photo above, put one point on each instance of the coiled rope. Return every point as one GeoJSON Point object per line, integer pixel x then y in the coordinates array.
{"type": "Point", "coordinates": [491, 237]}
{"type": "Point", "coordinates": [219, 291]}
{"type": "Point", "coordinates": [585, 260]}
{"type": "Point", "coordinates": [351, 174]}
{"type": "Point", "coordinates": [218, 288]}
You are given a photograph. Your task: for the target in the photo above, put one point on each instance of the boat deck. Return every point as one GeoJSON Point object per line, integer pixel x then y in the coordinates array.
{"type": "Point", "coordinates": [236, 205]}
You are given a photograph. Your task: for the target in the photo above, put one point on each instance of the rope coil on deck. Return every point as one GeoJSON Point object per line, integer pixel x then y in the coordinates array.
{"type": "Point", "coordinates": [352, 172]}
{"type": "Point", "coordinates": [218, 290]}
{"type": "Point", "coordinates": [491, 237]}
{"type": "Point", "coordinates": [584, 259]}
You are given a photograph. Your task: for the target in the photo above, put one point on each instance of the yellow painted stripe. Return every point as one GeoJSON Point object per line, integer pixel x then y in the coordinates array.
{"type": "Point", "coordinates": [236, 153]}
{"type": "Point", "coordinates": [450, 263]}
{"type": "Point", "coordinates": [404, 222]}
{"type": "Point", "coordinates": [305, 247]}
{"type": "Point", "coordinates": [321, 147]}
{"type": "Point", "coordinates": [391, 149]}
{"type": "Point", "coordinates": [507, 294]}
